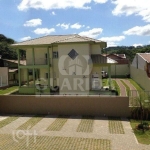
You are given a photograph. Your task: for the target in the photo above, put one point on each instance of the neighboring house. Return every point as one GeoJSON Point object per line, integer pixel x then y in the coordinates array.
{"type": "Point", "coordinates": [12, 67]}
{"type": "Point", "coordinates": [69, 62]}
{"type": "Point", "coordinates": [3, 74]}
{"type": "Point", "coordinates": [140, 70]}
{"type": "Point", "coordinates": [121, 69]}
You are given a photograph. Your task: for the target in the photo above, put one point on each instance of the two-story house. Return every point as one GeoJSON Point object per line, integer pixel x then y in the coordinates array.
{"type": "Point", "coordinates": [71, 62]}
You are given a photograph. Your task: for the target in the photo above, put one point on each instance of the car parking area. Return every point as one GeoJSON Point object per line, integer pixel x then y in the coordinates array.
{"type": "Point", "coordinates": [67, 132]}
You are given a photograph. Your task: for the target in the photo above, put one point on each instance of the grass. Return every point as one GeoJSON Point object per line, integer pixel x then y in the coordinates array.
{"type": "Point", "coordinates": [126, 86]}
{"type": "Point", "coordinates": [144, 95]}
{"type": "Point", "coordinates": [86, 124]}
{"type": "Point", "coordinates": [57, 124]}
{"type": "Point", "coordinates": [30, 123]}
{"type": "Point", "coordinates": [105, 82]}
{"type": "Point", "coordinates": [115, 126]}
{"type": "Point", "coordinates": [54, 143]}
{"type": "Point", "coordinates": [143, 138]}
{"type": "Point", "coordinates": [136, 85]}
{"type": "Point", "coordinates": [8, 90]}
{"type": "Point", "coordinates": [7, 121]}
{"type": "Point", "coordinates": [116, 86]}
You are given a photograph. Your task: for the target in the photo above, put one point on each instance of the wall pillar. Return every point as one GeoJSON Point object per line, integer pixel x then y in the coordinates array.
{"type": "Point", "coordinates": [27, 78]}
{"type": "Point", "coordinates": [48, 61]}
{"type": "Point", "coordinates": [109, 73]}
{"type": "Point", "coordinates": [19, 70]}
{"type": "Point", "coordinates": [33, 74]}
{"type": "Point", "coordinates": [33, 57]}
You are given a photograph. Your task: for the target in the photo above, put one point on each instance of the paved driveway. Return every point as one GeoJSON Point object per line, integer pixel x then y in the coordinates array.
{"type": "Point", "coordinates": [67, 133]}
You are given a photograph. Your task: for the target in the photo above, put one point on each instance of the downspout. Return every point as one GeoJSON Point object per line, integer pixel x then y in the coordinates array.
{"type": "Point", "coordinates": [52, 66]}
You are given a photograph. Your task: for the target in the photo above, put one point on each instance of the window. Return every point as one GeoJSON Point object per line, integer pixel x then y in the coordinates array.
{"type": "Point", "coordinates": [46, 75]}
{"type": "Point", "coordinates": [30, 72]}
{"type": "Point", "coordinates": [55, 54]}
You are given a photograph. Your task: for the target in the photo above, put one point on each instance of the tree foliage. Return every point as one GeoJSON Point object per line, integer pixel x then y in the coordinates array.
{"type": "Point", "coordinates": [6, 51]}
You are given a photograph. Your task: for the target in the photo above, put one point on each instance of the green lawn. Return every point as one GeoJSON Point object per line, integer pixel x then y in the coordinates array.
{"type": "Point", "coordinates": [136, 85]}
{"type": "Point", "coordinates": [116, 86]}
{"type": "Point", "coordinates": [105, 82]}
{"type": "Point", "coordinates": [8, 90]}
{"type": "Point", "coordinates": [141, 91]}
{"type": "Point", "coordinates": [143, 138]}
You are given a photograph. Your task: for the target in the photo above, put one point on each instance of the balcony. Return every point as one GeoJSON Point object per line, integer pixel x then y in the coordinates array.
{"type": "Point", "coordinates": [37, 61]}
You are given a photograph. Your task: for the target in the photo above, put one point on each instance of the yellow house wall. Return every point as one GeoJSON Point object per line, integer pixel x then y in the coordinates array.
{"type": "Point", "coordinates": [66, 76]}
{"type": "Point", "coordinates": [29, 56]}
{"type": "Point", "coordinates": [95, 49]}
{"type": "Point", "coordinates": [39, 54]}
{"type": "Point", "coordinates": [140, 77]}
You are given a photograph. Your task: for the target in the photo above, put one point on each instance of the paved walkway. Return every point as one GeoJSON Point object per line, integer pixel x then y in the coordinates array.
{"type": "Point", "coordinates": [130, 85]}
{"type": "Point", "coordinates": [99, 130]}
{"type": "Point", "coordinates": [122, 88]}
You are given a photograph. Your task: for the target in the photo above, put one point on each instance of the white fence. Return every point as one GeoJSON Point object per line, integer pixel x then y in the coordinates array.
{"type": "Point", "coordinates": [3, 81]}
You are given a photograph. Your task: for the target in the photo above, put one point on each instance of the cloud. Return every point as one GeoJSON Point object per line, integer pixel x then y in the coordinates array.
{"type": "Point", "coordinates": [76, 26]}
{"type": "Point", "coordinates": [93, 33]}
{"type": "Point", "coordinates": [112, 41]}
{"type": "Point", "coordinates": [33, 23]}
{"type": "Point", "coordinates": [130, 7]}
{"type": "Point", "coordinates": [57, 4]}
{"type": "Point", "coordinates": [63, 25]}
{"type": "Point", "coordinates": [100, 1]}
{"type": "Point", "coordinates": [25, 38]}
{"type": "Point", "coordinates": [44, 31]}
{"type": "Point", "coordinates": [53, 13]}
{"type": "Point", "coordinates": [139, 30]}
{"type": "Point", "coordinates": [135, 45]}
{"type": "Point", "coordinates": [88, 27]}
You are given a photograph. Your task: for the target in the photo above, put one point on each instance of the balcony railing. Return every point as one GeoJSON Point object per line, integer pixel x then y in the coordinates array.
{"type": "Point", "coordinates": [37, 61]}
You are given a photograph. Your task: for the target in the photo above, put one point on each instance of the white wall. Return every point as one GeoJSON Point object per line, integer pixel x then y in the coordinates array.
{"type": "Point", "coordinates": [140, 76]}
{"type": "Point", "coordinates": [3, 76]}
{"type": "Point", "coordinates": [138, 62]}
{"type": "Point", "coordinates": [118, 70]}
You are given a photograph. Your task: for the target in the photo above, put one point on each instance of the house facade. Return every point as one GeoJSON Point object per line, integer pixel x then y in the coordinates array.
{"type": "Point", "coordinates": [140, 70]}
{"type": "Point", "coordinates": [71, 63]}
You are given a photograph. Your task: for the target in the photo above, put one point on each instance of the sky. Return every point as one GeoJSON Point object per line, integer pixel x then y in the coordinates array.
{"type": "Point", "coordinates": [118, 22]}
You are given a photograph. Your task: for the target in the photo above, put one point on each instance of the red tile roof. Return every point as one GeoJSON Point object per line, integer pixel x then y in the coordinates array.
{"type": "Point", "coordinates": [146, 56]}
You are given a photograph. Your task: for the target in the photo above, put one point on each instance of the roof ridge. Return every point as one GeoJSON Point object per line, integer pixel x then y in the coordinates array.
{"type": "Point", "coordinates": [87, 38]}
{"type": "Point", "coordinates": [66, 38]}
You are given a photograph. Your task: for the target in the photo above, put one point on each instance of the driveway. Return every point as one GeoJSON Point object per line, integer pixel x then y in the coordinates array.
{"type": "Point", "coordinates": [67, 133]}
{"type": "Point", "coordinates": [122, 88]}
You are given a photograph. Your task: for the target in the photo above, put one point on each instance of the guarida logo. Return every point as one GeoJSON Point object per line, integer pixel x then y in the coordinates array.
{"type": "Point", "coordinates": [75, 64]}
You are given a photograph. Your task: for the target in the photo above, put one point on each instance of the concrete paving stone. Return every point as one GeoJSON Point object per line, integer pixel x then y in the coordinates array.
{"type": "Point", "coordinates": [14, 125]}
{"type": "Point", "coordinates": [42, 125]}
{"type": "Point", "coordinates": [126, 141]}
{"type": "Point", "coordinates": [3, 117]}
